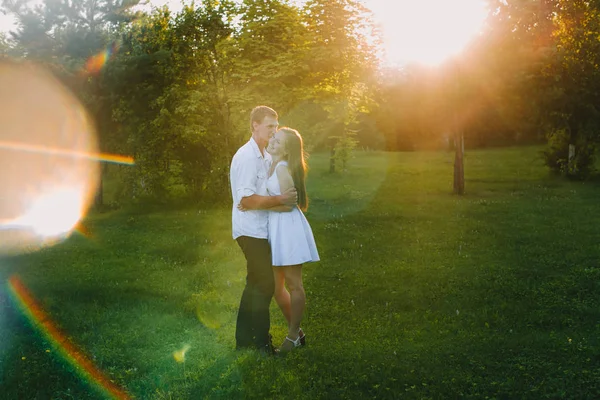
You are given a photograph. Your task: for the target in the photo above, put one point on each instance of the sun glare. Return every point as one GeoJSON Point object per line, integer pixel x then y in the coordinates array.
{"type": "Point", "coordinates": [48, 159]}
{"type": "Point", "coordinates": [426, 31]}
{"type": "Point", "coordinates": [54, 214]}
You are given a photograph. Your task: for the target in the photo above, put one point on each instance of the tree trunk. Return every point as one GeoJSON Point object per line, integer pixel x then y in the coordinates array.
{"type": "Point", "coordinates": [99, 199]}
{"type": "Point", "coordinates": [571, 164]}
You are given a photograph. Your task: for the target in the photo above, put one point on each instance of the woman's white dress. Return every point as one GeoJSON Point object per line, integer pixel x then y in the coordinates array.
{"type": "Point", "coordinates": [292, 241]}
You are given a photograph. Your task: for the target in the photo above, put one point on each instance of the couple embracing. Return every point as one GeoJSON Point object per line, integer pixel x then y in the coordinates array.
{"type": "Point", "coordinates": [267, 179]}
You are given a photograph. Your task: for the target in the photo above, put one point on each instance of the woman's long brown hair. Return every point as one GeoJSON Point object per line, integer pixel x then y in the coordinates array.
{"type": "Point", "coordinates": [297, 164]}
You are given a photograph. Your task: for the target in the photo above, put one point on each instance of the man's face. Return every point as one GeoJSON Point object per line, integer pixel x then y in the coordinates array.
{"type": "Point", "coordinates": [265, 130]}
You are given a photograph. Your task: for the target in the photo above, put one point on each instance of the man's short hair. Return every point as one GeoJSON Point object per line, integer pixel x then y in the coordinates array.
{"type": "Point", "coordinates": [259, 113]}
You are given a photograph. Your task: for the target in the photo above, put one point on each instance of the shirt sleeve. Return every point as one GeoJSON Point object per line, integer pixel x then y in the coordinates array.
{"type": "Point", "coordinates": [246, 178]}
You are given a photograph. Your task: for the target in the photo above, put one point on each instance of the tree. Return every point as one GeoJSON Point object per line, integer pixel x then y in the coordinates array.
{"type": "Point", "coordinates": [573, 80]}
{"type": "Point", "coordinates": [269, 57]}
{"type": "Point", "coordinates": [66, 32]}
{"type": "Point", "coordinates": [63, 35]}
{"type": "Point", "coordinates": [341, 65]}
{"type": "Point", "coordinates": [169, 94]}
{"type": "Point", "coordinates": [203, 115]}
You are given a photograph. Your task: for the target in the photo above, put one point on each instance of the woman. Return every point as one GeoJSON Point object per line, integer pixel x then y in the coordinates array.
{"type": "Point", "coordinates": [290, 235]}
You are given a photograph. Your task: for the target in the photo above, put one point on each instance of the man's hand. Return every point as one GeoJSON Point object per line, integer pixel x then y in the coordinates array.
{"type": "Point", "coordinates": [289, 197]}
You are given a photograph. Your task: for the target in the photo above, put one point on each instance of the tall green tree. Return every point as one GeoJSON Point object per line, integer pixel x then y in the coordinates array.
{"type": "Point", "coordinates": [341, 67]}
{"type": "Point", "coordinates": [572, 80]}
{"type": "Point", "coordinates": [64, 33]}
{"type": "Point", "coordinates": [169, 96]}
{"type": "Point", "coordinates": [204, 118]}
{"type": "Point", "coordinates": [133, 85]}
{"type": "Point", "coordinates": [270, 57]}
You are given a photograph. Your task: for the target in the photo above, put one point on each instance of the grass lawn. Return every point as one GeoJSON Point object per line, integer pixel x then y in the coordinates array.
{"type": "Point", "coordinates": [420, 294]}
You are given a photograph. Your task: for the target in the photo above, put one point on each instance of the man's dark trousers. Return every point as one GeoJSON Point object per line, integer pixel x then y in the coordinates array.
{"type": "Point", "coordinates": [253, 321]}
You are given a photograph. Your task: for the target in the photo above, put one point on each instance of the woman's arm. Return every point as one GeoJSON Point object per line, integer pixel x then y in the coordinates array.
{"type": "Point", "coordinates": [286, 184]}
{"type": "Point", "coordinates": [280, 208]}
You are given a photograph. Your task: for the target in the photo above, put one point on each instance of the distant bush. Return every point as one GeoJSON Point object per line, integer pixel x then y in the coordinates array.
{"type": "Point", "coordinates": [556, 155]}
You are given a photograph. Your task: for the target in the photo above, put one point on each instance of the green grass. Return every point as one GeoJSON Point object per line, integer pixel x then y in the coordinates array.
{"type": "Point", "coordinates": [419, 294]}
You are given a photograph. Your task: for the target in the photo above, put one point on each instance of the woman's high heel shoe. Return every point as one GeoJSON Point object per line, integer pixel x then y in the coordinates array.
{"type": "Point", "coordinates": [302, 337]}
{"type": "Point", "coordinates": [289, 344]}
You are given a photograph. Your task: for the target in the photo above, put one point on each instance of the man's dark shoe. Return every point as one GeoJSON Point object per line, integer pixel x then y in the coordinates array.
{"type": "Point", "coordinates": [268, 350]}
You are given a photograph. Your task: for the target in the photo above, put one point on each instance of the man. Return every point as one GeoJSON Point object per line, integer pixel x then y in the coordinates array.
{"type": "Point", "coordinates": [248, 177]}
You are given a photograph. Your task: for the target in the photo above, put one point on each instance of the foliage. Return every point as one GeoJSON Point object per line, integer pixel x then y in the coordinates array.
{"type": "Point", "coordinates": [556, 155]}
{"type": "Point", "coordinates": [343, 149]}
{"type": "Point", "coordinates": [176, 89]}
{"type": "Point", "coordinates": [270, 63]}
{"type": "Point", "coordinates": [574, 80]}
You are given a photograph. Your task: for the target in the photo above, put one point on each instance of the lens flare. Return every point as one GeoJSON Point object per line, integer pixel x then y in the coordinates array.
{"type": "Point", "coordinates": [112, 158]}
{"type": "Point", "coordinates": [43, 219]}
{"type": "Point", "coordinates": [83, 230]}
{"type": "Point", "coordinates": [179, 355]}
{"type": "Point", "coordinates": [60, 342]}
{"type": "Point", "coordinates": [48, 175]}
{"type": "Point", "coordinates": [96, 62]}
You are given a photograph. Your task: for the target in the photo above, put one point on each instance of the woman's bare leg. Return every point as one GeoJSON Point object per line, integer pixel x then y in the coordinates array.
{"type": "Point", "coordinates": [293, 279]}
{"type": "Point", "coordinates": [282, 296]}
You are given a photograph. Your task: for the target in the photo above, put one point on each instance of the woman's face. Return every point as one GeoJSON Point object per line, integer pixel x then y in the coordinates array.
{"type": "Point", "coordinates": [277, 145]}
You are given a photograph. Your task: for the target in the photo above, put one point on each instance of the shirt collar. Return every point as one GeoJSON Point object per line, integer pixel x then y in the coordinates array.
{"type": "Point", "coordinates": [257, 152]}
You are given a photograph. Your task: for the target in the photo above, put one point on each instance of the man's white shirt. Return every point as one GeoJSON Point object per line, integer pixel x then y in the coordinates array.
{"type": "Point", "coordinates": [248, 175]}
